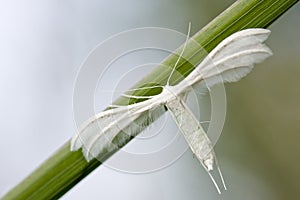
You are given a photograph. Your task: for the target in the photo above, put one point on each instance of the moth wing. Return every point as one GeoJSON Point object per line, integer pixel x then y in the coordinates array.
{"type": "Point", "coordinates": [98, 132]}
{"type": "Point", "coordinates": [239, 41]}
{"type": "Point", "coordinates": [234, 57]}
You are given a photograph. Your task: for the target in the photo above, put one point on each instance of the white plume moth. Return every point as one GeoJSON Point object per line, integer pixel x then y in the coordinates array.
{"type": "Point", "coordinates": [231, 60]}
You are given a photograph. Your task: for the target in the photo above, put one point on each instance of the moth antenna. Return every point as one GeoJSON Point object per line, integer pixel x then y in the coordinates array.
{"type": "Point", "coordinates": [181, 53]}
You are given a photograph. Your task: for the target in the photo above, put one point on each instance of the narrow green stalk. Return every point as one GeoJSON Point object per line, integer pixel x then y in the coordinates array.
{"type": "Point", "coordinates": [65, 169]}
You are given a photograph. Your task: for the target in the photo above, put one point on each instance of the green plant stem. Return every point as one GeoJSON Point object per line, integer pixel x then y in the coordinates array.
{"type": "Point", "coordinates": [64, 169]}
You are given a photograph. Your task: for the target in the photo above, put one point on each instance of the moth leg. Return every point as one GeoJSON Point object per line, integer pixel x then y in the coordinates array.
{"type": "Point", "coordinates": [205, 122]}
{"type": "Point", "coordinates": [115, 106]}
{"type": "Point", "coordinates": [211, 177]}
{"type": "Point", "coordinates": [137, 97]}
{"type": "Point", "coordinates": [142, 88]}
{"type": "Point", "coordinates": [219, 170]}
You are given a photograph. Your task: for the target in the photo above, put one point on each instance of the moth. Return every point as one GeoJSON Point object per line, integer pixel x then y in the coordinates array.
{"type": "Point", "coordinates": [229, 61]}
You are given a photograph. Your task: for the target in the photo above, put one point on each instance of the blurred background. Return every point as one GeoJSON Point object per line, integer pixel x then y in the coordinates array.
{"type": "Point", "coordinates": [43, 44]}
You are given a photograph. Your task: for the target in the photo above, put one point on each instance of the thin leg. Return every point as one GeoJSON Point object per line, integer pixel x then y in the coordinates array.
{"type": "Point", "coordinates": [211, 177]}
{"type": "Point", "coordinates": [137, 97]}
{"type": "Point", "coordinates": [220, 172]}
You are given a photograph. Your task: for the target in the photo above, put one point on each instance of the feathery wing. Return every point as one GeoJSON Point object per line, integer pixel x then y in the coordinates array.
{"type": "Point", "coordinates": [233, 58]}
{"type": "Point", "coordinates": [98, 132]}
